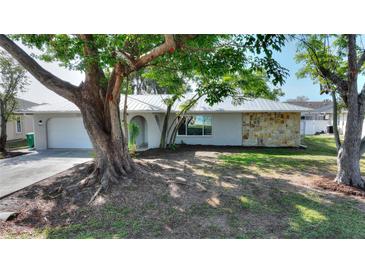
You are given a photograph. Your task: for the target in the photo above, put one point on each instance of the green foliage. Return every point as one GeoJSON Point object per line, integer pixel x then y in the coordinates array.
{"type": "Point", "coordinates": [214, 65]}
{"type": "Point", "coordinates": [13, 79]}
{"type": "Point", "coordinates": [326, 51]}
{"type": "Point", "coordinates": [134, 130]}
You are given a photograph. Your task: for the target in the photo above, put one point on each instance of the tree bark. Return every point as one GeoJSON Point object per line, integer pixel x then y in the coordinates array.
{"type": "Point", "coordinates": [348, 158]}
{"type": "Point", "coordinates": [103, 125]}
{"type": "Point", "coordinates": [177, 122]}
{"type": "Point", "coordinates": [3, 135]}
{"type": "Point", "coordinates": [349, 155]}
{"type": "Point", "coordinates": [165, 126]}
{"type": "Point", "coordinates": [125, 114]}
{"type": "Point", "coordinates": [335, 126]}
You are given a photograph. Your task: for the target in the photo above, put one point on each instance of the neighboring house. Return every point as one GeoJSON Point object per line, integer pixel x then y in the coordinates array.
{"type": "Point", "coordinates": [318, 119]}
{"type": "Point", "coordinates": [258, 122]}
{"type": "Point", "coordinates": [20, 124]}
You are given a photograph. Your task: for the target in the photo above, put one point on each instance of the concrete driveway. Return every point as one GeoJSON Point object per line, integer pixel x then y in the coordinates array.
{"type": "Point", "coordinates": [21, 171]}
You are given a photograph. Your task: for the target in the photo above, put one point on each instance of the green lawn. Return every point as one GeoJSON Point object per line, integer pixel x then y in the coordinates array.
{"type": "Point", "coordinates": [16, 144]}
{"type": "Point", "coordinates": [224, 193]}
{"type": "Point", "coordinates": [319, 156]}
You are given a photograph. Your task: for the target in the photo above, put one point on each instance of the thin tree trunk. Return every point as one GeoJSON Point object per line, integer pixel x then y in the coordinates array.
{"type": "Point", "coordinates": [335, 126]}
{"type": "Point", "coordinates": [175, 130]}
{"type": "Point", "coordinates": [3, 135]}
{"type": "Point", "coordinates": [178, 122]}
{"type": "Point", "coordinates": [165, 126]}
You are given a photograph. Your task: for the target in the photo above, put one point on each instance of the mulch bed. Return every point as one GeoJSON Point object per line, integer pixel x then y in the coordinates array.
{"type": "Point", "coordinates": [55, 201]}
{"type": "Point", "coordinates": [55, 194]}
{"type": "Point", "coordinates": [329, 184]}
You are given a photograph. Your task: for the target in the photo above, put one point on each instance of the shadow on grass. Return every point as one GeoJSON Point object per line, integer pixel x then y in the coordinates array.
{"type": "Point", "coordinates": [191, 195]}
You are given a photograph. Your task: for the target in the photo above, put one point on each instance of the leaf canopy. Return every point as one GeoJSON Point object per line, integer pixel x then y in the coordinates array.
{"type": "Point", "coordinates": [216, 65]}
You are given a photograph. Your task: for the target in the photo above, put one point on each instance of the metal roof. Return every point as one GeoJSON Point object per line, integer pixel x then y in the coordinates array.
{"type": "Point", "coordinates": [155, 103]}
{"type": "Point", "coordinates": [23, 105]}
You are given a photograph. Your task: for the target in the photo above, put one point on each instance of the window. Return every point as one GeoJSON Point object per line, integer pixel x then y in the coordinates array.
{"type": "Point", "coordinates": [18, 125]}
{"type": "Point", "coordinates": [196, 125]}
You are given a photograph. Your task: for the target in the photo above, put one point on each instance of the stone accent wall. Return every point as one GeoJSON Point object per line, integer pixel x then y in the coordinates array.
{"type": "Point", "coordinates": [271, 129]}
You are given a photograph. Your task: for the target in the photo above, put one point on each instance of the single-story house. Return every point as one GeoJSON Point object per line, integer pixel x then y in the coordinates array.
{"type": "Point", "coordinates": [20, 124]}
{"type": "Point", "coordinates": [318, 119]}
{"type": "Point", "coordinates": [257, 122]}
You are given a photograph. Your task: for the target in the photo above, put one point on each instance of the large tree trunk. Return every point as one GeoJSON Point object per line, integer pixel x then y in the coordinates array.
{"type": "Point", "coordinates": [348, 158]}
{"type": "Point", "coordinates": [349, 155]}
{"type": "Point", "coordinates": [103, 125]}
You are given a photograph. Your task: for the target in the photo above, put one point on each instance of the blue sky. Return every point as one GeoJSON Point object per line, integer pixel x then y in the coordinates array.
{"type": "Point", "coordinates": [293, 87]}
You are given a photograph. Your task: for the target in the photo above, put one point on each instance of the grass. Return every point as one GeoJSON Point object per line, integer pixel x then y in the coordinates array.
{"type": "Point", "coordinates": [111, 222]}
{"type": "Point", "coordinates": [311, 217]}
{"type": "Point", "coordinates": [16, 144]}
{"type": "Point", "coordinates": [244, 198]}
{"type": "Point", "coordinates": [320, 156]}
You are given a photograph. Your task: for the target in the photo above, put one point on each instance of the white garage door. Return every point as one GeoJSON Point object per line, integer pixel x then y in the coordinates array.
{"type": "Point", "coordinates": [67, 132]}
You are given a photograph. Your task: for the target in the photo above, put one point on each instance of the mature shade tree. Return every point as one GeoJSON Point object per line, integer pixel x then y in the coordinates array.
{"type": "Point", "coordinates": [336, 61]}
{"type": "Point", "coordinates": [108, 59]}
{"type": "Point", "coordinates": [13, 79]}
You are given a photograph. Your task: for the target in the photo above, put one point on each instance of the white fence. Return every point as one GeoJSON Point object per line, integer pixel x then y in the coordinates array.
{"type": "Point", "coordinates": [310, 127]}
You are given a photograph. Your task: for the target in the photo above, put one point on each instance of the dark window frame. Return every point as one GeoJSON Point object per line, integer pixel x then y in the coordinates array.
{"type": "Point", "coordinates": [186, 122]}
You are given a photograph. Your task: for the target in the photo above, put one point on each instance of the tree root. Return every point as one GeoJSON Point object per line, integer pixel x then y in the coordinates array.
{"type": "Point", "coordinates": [108, 177]}
{"type": "Point", "coordinates": [90, 179]}
{"type": "Point", "coordinates": [95, 194]}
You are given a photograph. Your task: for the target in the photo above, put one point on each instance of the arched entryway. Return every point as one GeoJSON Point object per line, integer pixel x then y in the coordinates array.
{"type": "Point", "coordinates": [141, 140]}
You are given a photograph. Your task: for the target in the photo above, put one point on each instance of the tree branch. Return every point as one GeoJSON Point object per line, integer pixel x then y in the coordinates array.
{"type": "Point", "coordinates": [361, 61]}
{"type": "Point", "coordinates": [91, 58]}
{"type": "Point", "coordinates": [326, 73]}
{"type": "Point", "coordinates": [59, 86]}
{"type": "Point", "coordinates": [334, 78]}
{"type": "Point", "coordinates": [169, 44]}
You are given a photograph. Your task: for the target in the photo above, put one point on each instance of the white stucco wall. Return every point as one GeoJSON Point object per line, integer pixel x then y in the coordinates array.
{"type": "Point", "coordinates": [40, 128]}
{"type": "Point", "coordinates": [27, 126]}
{"type": "Point", "coordinates": [226, 130]}
{"type": "Point", "coordinates": [153, 128]}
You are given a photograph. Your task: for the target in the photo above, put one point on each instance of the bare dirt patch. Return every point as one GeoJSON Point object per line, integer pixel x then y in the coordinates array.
{"type": "Point", "coordinates": [188, 193]}
{"type": "Point", "coordinates": [329, 184]}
